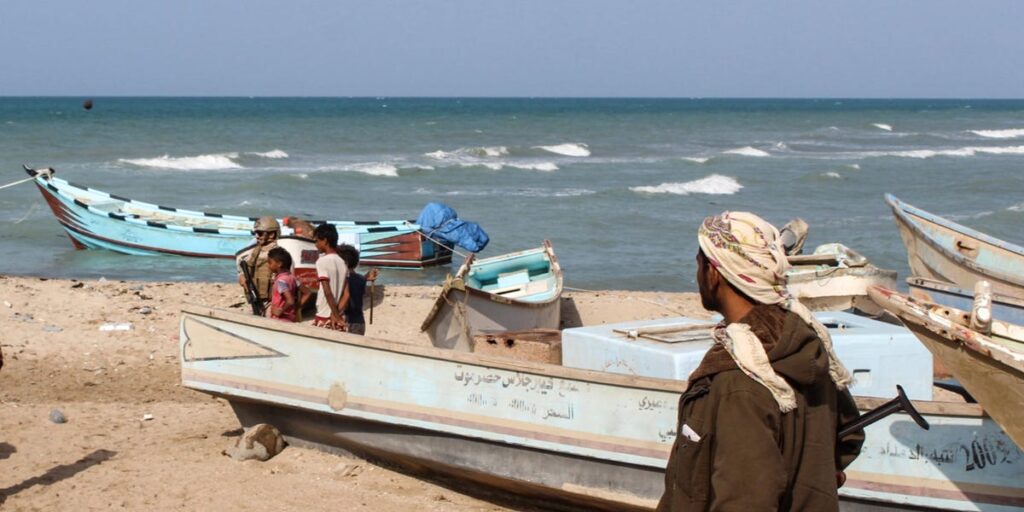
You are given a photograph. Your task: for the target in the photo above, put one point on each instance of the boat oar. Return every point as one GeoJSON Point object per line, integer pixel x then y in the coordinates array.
{"type": "Point", "coordinates": [19, 182]}
{"type": "Point", "coordinates": [900, 403]}
{"type": "Point", "coordinates": [371, 302]}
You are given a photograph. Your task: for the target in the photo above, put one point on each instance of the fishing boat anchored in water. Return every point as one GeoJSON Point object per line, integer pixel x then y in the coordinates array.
{"type": "Point", "coordinates": [94, 219]}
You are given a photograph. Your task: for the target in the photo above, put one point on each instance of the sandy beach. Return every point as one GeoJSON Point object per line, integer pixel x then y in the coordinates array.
{"type": "Point", "coordinates": [135, 439]}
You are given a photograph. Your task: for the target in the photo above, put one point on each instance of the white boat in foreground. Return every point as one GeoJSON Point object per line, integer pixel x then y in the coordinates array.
{"type": "Point", "coordinates": [582, 438]}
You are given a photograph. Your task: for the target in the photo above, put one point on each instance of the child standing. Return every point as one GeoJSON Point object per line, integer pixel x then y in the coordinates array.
{"type": "Point", "coordinates": [283, 304]}
{"type": "Point", "coordinates": [331, 273]}
{"type": "Point", "coordinates": [353, 306]}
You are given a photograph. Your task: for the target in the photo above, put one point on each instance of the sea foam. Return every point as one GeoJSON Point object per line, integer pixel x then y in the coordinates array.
{"type": "Point", "coordinates": [697, 159]}
{"type": "Point", "coordinates": [374, 169]}
{"type": "Point", "coordinates": [187, 163]}
{"type": "Point", "coordinates": [714, 184]}
{"type": "Point", "coordinates": [747, 151]}
{"type": "Point", "coordinates": [1011, 133]}
{"type": "Point", "coordinates": [483, 151]}
{"type": "Point", "coordinates": [959, 152]}
{"type": "Point", "coordinates": [882, 126]}
{"type": "Point", "coordinates": [275, 154]}
{"type": "Point", "coordinates": [567, 149]}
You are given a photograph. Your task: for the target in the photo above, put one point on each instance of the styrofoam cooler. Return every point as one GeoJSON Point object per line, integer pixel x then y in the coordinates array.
{"type": "Point", "coordinates": [878, 354]}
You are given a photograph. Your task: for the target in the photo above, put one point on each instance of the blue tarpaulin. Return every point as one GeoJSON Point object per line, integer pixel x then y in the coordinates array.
{"type": "Point", "coordinates": [440, 221]}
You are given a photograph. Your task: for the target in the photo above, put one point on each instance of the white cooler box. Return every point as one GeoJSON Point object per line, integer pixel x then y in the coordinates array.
{"type": "Point", "coordinates": [879, 355]}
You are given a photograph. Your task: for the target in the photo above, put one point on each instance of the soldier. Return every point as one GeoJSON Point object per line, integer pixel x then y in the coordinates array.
{"type": "Point", "coordinates": [267, 231]}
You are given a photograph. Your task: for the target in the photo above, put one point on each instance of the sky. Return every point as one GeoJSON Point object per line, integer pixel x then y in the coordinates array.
{"type": "Point", "coordinates": [566, 48]}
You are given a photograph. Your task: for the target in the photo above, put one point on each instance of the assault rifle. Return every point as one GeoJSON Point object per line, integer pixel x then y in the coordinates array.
{"type": "Point", "coordinates": [251, 296]}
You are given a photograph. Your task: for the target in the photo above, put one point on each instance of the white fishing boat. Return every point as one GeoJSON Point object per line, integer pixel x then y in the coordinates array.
{"type": "Point", "coordinates": [835, 278]}
{"type": "Point", "coordinates": [571, 436]}
{"type": "Point", "coordinates": [512, 292]}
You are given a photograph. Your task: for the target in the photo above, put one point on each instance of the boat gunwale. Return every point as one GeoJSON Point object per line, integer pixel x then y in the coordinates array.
{"type": "Point", "coordinates": [537, 368]}
{"type": "Point", "coordinates": [62, 185]}
{"type": "Point", "coordinates": [946, 287]}
{"type": "Point", "coordinates": [900, 305]}
{"type": "Point", "coordinates": [904, 213]}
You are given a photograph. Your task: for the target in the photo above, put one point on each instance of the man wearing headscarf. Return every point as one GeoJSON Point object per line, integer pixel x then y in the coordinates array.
{"type": "Point", "coordinates": [758, 421]}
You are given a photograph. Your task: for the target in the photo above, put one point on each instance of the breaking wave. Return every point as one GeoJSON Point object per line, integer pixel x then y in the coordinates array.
{"type": "Point", "coordinates": [855, 167]}
{"type": "Point", "coordinates": [567, 149]}
{"type": "Point", "coordinates": [962, 152]}
{"type": "Point", "coordinates": [882, 126]}
{"type": "Point", "coordinates": [831, 174]}
{"type": "Point", "coordinates": [275, 154]}
{"type": "Point", "coordinates": [747, 151]}
{"type": "Point", "coordinates": [370, 168]}
{"type": "Point", "coordinates": [520, 192]}
{"type": "Point", "coordinates": [497, 166]}
{"type": "Point", "coordinates": [1011, 133]}
{"type": "Point", "coordinates": [483, 151]}
{"type": "Point", "coordinates": [714, 184]}
{"type": "Point", "coordinates": [697, 159]}
{"type": "Point", "coordinates": [187, 163]}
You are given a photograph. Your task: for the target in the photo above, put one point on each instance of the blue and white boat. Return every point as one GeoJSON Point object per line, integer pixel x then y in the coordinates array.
{"type": "Point", "coordinates": [94, 219]}
{"type": "Point", "coordinates": [512, 292]}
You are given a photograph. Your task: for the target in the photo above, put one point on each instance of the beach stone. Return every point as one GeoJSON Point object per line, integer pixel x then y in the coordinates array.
{"type": "Point", "coordinates": [138, 288]}
{"type": "Point", "coordinates": [145, 310]}
{"type": "Point", "coordinates": [260, 442]}
{"type": "Point", "coordinates": [52, 328]}
{"type": "Point", "coordinates": [57, 416]}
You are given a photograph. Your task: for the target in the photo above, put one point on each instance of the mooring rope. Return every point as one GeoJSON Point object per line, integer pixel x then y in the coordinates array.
{"type": "Point", "coordinates": [438, 242]}
{"type": "Point", "coordinates": [19, 182]}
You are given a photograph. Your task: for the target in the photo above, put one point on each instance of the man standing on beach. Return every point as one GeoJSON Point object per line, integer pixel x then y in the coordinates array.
{"type": "Point", "coordinates": [332, 274]}
{"type": "Point", "coordinates": [757, 424]}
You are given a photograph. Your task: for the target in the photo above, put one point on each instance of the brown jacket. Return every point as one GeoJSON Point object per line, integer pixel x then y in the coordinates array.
{"type": "Point", "coordinates": [738, 452]}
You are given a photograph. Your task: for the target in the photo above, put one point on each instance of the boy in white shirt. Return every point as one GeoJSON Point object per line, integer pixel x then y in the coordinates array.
{"type": "Point", "coordinates": [331, 272]}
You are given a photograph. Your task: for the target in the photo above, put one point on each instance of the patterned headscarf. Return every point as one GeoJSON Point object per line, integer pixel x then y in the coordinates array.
{"type": "Point", "coordinates": [746, 250]}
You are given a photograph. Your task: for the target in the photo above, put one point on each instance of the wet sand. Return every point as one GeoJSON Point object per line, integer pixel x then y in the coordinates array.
{"type": "Point", "coordinates": [135, 439]}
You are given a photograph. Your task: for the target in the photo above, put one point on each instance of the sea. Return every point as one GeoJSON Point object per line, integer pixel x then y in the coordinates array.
{"type": "Point", "coordinates": [618, 185]}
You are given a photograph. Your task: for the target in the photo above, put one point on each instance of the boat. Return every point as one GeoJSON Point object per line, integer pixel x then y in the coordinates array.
{"type": "Point", "coordinates": [512, 292]}
{"type": "Point", "coordinates": [1004, 307]}
{"type": "Point", "coordinates": [563, 436]}
{"type": "Point", "coordinates": [989, 366]}
{"type": "Point", "coordinates": [94, 219]}
{"type": "Point", "coordinates": [835, 278]}
{"type": "Point", "coordinates": [945, 251]}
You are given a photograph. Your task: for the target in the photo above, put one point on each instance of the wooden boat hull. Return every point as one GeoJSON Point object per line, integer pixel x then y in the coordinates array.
{"type": "Point", "coordinates": [583, 439]}
{"type": "Point", "coordinates": [1007, 309]}
{"type": "Point", "coordinates": [839, 289]}
{"type": "Point", "coordinates": [462, 311]}
{"type": "Point", "coordinates": [992, 372]}
{"type": "Point", "coordinates": [946, 251]}
{"type": "Point", "coordinates": [97, 220]}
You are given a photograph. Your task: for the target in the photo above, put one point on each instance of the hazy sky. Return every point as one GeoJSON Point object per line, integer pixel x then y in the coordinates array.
{"type": "Point", "coordinates": [760, 48]}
